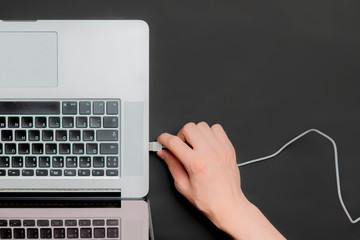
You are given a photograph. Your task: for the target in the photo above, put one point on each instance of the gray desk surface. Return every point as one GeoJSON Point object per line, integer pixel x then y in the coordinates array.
{"type": "Point", "coordinates": [266, 71]}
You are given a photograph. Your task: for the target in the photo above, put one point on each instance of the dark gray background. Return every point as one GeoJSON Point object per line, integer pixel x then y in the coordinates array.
{"type": "Point", "coordinates": [265, 70]}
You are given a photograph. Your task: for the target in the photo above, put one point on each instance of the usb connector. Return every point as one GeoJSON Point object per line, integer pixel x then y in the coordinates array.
{"type": "Point", "coordinates": [155, 147]}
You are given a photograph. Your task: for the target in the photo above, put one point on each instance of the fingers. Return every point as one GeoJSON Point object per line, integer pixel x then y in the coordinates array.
{"type": "Point", "coordinates": [191, 134]}
{"type": "Point", "coordinates": [221, 136]}
{"type": "Point", "coordinates": [175, 145]}
{"type": "Point", "coordinates": [177, 170]}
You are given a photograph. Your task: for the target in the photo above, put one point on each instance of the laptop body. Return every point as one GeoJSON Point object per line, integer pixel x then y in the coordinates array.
{"type": "Point", "coordinates": [74, 112]}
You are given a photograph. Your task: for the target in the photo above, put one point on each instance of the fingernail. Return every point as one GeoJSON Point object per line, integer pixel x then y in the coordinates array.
{"type": "Point", "coordinates": [161, 154]}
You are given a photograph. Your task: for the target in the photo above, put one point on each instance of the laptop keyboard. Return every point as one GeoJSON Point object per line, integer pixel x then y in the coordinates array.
{"type": "Point", "coordinates": [59, 228]}
{"type": "Point", "coordinates": [60, 138]}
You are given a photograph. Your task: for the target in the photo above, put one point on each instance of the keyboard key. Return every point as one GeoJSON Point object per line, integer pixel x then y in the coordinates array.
{"type": "Point", "coordinates": [17, 162]}
{"type": "Point", "coordinates": [48, 135]}
{"type": "Point", "coordinates": [4, 162]}
{"type": "Point", "coordinates": [1, 148]}
{"type": "Point", "coordinates": [40, 122]}
{"type": "Point", "coordinates": [29, 223]}
{"type": "Point", "coordinates": [10, 148]}
{"type": "Point", "coordinates": [69, 108]}
{"type": "Point", "coordinates": [6, 135]}
{"type": "Point", "coordinates": [78, 148]}
{"type": "Point", "coordinates": [43, 223]}
{"type": "Point", "coordinates": [99, 232]}
{"type": "Point", "coordinates": [61, 135]}
{"type": "Point", "coordinates": [110, 122]}
{"type": "Point", "coordinates": [54, 122]}
{"type": "Point", "coordinates": [73, 233]}
{"type": "Point", "coordinates": [15, 223]}
{"type": "Point", "coordinates": [98, 108]}
{"type": "Point", "coordinates": [95, 122]}
{"type": "Point", "coordinates": [91, 148]}
{"type": "Point", "coordinates": [85, 233]}
{"type": "Point", "coordinates": [89, 135]}
{"type": "Point", "coordinates": [28, 172]}
{"type": "Point", "coordinates": [74, 135]}
{"type": "Point", "coordinates": [30, 162]}
{"type": "Point", "coordinates": [34, 135]}
{"type": "Point", "coordinates": [84, 222]}
{"type": "Point", "coordinates": [32, 233]}
{"type": "Point", "coordinates": [19, 233]}
{"type": "Point", "coordinates": [56, 172]}
{"type": "Point", "coordinates": [51, 148]}
{"type": "Point", "coordinates": [98, 222]}
{"type": "Point", "coordinates": [112, 108]}
{"type": "Point", "coordinates": [13, 173]}
{"type": "Point", "coordinates": [29, 108]}
{"type": "Point", "coordinates": [2, 122]}
{"type": "Point", "coordinates": [85, 162]}
{"type": "Point", "coordinates": [70, 223]}
{"type": "Point", "coordinates": [3, 223]}
{"type": "Point", "coordinates": [57, 223]}
{"type": "Point", "coordinates": [69, 172]}
{"type": "Point", "coordinates": [13, 122]}
{"type": "Point", "coordinates": [37, 148]}
{"type": "Point", "coordinates": [2, 173]}
{"type": "Point", "coordinates": [81, 122]}
{"type": "Point", "coordinates": [108, 148]}
{"type": "Point", "coordinates": [44, 162]}
{"type": "Point", "coordinates": [98, 162]}
{"type": "Point", "coordinates": [20, 135]}
{"type": "Point", "coordinates": [85, 108]}
{"type": "Point", "coordinates": [27, 122]}
{"type": "Point", "coordinates": [24, 148]}
{"type": "Point", "coordinates": [58, 162]}
{"type": "Point", "coordinates": [112, 232]}
{"type": "Point", "coordinates": [64, 148]}
{"type": "Point", "coordinates": [71, 162]}
{"type": "Point", "coordinates": [112, 173]}
{"type": "Point", "coordinates": [46, 233]}
{"type": "Point", "coordinates": [84, 173]}
{"type": "Point", "coordinates": [97, 172]}
{"type": "Point", "coordinates": [107, 135]}
{"type": "Point", "coordinates": [59, 232]}
{"type": "Point", "coordinates": [112, 162]}
{"type": "Point", "coordinates": [42, 173]}
{"type": "Point", "coordinates": [5, 233]}
{"type": "Point", "coordinates": [68, 122]}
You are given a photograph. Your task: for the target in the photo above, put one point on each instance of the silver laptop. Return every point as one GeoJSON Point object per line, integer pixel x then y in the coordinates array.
{"type": "Point", "coordinates": [74, 112]}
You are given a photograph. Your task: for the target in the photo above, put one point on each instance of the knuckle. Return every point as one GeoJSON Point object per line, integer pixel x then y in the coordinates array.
{"type": "Point", "coordinates": [178, 186]}
{"type": "Point", "coordinates": [203, 124]}
{"type": "Point", "coordinates": [172, 142]}
{"type": "Point", "coordinates": [216, 126]}
{"type": "Point", "coordinates": [188, 127]}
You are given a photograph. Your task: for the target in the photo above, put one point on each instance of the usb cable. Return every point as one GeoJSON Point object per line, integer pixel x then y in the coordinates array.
{"type": "Point", "coordinates": [155, 146]}
{"type": "Point", "coordinates": [338, 185]}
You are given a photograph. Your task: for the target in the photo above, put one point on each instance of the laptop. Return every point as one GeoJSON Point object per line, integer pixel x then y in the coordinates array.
{"type": "Point", "coordinates": [74, 116]}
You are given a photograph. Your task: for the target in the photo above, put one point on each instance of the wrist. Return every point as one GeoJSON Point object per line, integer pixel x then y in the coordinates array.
{"type": "Point", "coordinates": [246, 221]}
{"type": "Point", "coordinates": [234, 221]}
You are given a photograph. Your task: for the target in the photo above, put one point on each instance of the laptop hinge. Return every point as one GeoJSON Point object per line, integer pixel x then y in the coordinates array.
{"type": "Point", "coordinates": [60, 198]}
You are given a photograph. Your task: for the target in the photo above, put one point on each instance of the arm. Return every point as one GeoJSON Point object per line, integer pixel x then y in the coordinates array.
{"type": "Point", "coordinates": [202, 162]}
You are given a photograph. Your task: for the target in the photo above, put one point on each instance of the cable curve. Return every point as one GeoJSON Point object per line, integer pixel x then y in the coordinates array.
{"type": "Point", "coordinates": [336, 165]}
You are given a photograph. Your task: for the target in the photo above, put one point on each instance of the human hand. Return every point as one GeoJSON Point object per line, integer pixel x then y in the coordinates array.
{"type": "Point", "coordinates": [202, 161]}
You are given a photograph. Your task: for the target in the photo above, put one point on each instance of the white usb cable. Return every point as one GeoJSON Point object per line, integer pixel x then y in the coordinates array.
{"type": "Point", "coordinates": [155, 146]}
{"type": "Point", "coordinates": [336, 165]}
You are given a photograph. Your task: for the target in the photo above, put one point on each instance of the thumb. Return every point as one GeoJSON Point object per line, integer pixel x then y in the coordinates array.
{"type": "Point", "coordinates": [177, 170]}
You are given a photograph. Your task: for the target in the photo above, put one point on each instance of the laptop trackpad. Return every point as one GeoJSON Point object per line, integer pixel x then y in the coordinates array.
{"type": "Point", "coordinates": [28, 59]}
